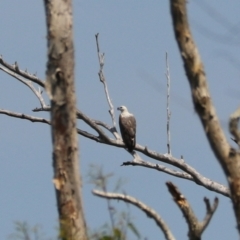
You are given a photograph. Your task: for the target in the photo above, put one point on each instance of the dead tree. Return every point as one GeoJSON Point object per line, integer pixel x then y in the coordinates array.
{"type": "Point", "coordinates": [228, 157]}
{"type": "Point", "coordinates": [60, 88]}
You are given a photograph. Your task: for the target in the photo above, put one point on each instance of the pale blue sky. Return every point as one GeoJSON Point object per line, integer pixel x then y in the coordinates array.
{"type": "Point", "coordinates": [134, 35]}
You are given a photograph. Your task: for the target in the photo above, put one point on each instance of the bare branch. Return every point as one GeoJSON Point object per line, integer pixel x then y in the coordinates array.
{"type": "Point", "coordinates": [38, 92]}
{"type": "Point", "coordinates": [189, 172]}
{"type": "Point", "coordinates": [43, 120]}
{"type": "Point", "coordinates": [149, 211]}
{"type": "Point", "coordinates": [109, 128]}
{"type": "Point", "coordinates": [79, 116]}
{"type": "Point", "coordinates": [24, 116]}
{"type": "Point", "coordinates": [210, 211]}
{"type": "Point", "coordinates": [93, 125]}
{"type": "Point", "coordinates": [103, 136]}
{"type": "Point", "coordinates": [168, 106]}
{"type": "Point", "coordinates": [195, 227]}
{"type": "Point", "coordinates": [14, 68]}
{"type": "Point", "coordinates": [185, 207]}
{"type": "Point", "coordinates": [160, 168]}
{"type": "Point", "coordinates": [180, 163]}
{"type": "Point", "coordinates": [42, 109]}
{"type": "Point", "coordinates": [89, 135]}
{"type": "Point", "coordinates": [233, 126]}
{"type": "Point", "coordinates": [103, 80]}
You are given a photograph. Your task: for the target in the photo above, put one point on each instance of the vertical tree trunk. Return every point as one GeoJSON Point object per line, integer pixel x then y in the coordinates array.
{"type": "Point", "coordinates": [228, 157]}
{"type": "Point", "coordinates": [60, 87]}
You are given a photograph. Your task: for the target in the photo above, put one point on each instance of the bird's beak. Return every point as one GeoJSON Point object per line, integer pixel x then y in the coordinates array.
{"type": "Point", "coordinates": [118, 108]}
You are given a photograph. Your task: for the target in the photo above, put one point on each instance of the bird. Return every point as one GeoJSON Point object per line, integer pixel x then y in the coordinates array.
{"type": "Point", "coordinates": [127, 124]}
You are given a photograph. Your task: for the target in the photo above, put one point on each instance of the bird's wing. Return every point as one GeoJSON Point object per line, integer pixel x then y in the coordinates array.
{"type": "Point", "coordinates": [128, 126]}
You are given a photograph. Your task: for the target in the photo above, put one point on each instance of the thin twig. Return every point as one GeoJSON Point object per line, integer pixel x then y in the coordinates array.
{"type": "Point", "coordinates": [149, 211]}
{"type": "Point", "coordinates": [209, 213]}
{"type": "Point", "coordinates": [109, 128]}
{"type": "Point", "coordinates": [15, 68]}
{"type": "Point", "coordinates": [103, 80]}
{"type": "Point", "coordinates": [93, 125]}
{"type": "Point", "coordinates": [168, 106]}
{"type": "Point", "coordinates": [38, 92]}
{"type": "Point", "coordinates": [42, 109]}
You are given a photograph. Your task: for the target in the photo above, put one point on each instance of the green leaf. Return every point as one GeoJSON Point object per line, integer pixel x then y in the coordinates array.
{"type": "Point", "coordinates": [132, 227]}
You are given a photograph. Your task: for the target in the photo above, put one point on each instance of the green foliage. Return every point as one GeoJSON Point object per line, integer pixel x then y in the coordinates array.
{"type": "Point", "coordinates": [24, 232]}
{"type": "Point", "coordinates": [132, 227]}
{"type": "Point", "coordinates": [116, 234]}
{"type": "Point", "coordinates": [120, 222]}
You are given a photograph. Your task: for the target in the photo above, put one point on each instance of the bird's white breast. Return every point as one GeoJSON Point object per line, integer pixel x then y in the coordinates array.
{"type": "Point", "coordinates": [126, 114]}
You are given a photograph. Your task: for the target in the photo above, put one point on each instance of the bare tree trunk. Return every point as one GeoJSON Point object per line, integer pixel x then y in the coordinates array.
{"type": "Point", "coordinates": [228, 157]}
{"type": "Point", "coordinates": [60, 87]}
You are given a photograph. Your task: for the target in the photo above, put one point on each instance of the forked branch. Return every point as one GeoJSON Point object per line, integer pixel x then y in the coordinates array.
{"type": "Point", "coordinates": [149, 211]}
{"type": "Point", "coordinates": [195, 227]}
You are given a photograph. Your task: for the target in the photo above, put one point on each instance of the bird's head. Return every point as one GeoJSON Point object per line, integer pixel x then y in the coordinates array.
{"type": "Point", "coordinates": [122, 109]}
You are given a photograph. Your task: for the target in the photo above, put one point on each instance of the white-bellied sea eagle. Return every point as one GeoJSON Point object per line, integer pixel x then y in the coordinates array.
{"type": "Point", "coordinates": [127, 124]}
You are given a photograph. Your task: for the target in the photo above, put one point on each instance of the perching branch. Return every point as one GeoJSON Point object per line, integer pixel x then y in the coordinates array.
{"type": "Point", "coordinates": [149, 211]}
{"type": "Point", "coordinates": [189, 172]}
{"type": "Point", "coordinates": [93, 125]}
{"type": "Point", "coordinates": [103, 80]}
{"type": "Point", "coordinates": [195, 227]}
{"type": "Point", "coordinates": [113, 130]}
{"type": "Point", "coordinates": [228, 157]}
